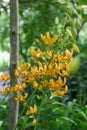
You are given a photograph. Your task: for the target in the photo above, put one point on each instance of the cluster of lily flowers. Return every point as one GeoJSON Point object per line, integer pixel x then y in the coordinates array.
{"type": "Point", "coordinates": [50, 70]}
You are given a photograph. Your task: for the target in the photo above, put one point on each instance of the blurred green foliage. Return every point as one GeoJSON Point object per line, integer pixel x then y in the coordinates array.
{"type": "Point", "coordinates": [37, 17]}
{"type": "Point", "coordinates": [55, 114]}
{"type": "Point", "coordinates": [4, 65]}
{"type": "Point", "coordinates": [78, 85]}
{"type": "Point", "coordinates": [65, 18]}
{"type": "Point", "coordinates": [68, 19]}
{"type": "Point", "coordinates": [3, 113]}
{"type": "Point", "coordinates": [4, 32]}
{"type": "Point", "coordinates": [42, 16]}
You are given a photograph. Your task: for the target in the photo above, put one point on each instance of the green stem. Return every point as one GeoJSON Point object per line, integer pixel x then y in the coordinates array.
{"type": "Point", "coordinates": [23, 125]}
{"type": "Point", "coordinates": [28, 103]}
{"type": "Point", "coordinates": [39, 111]}
{"type": "Point", "coordinates": [29, 100]}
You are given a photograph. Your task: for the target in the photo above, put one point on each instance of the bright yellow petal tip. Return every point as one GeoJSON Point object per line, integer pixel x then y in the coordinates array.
{"type": "Point", "coordinates": [34, 122]}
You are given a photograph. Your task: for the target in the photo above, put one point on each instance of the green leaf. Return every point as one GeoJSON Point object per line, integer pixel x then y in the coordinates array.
{"type": "Point", "coordinates": [23, 119]}
{"type": "Point", "coordinates": [82, 114]}
{"type": "Point", "coordinates": [69, 120]}
{"type": "Point", "coordinates": [82, 2]}
{"type": "Point", "coordinates": [3, 106]}
{"type": "Point", "coordinates": [28, 125]}
{"type": "Point", "coordinates": [1, 122]}
{"type": "Point", "coordinates": [59, 104]}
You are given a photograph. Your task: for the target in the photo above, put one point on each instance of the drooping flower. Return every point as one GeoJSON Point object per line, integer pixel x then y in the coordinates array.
{"type": "Point", "coordinates": [5, 77]}
{"type": "Point", "coordinates": [32, 110]}
{"type": "Point", "coordinates": [68, 54]}
{"type": "Point", "coordinates": [21, 98]}
{"type": "Point", "coordinates": [62, 92]}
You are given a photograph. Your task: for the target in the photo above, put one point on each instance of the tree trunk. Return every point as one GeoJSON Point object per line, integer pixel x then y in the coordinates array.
{"type": "Point", "coordinates": [14, 44]}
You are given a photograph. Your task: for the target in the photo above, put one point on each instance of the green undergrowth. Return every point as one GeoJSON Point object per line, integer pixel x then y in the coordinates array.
{"type": "Point", "coordinates": [54, 115]}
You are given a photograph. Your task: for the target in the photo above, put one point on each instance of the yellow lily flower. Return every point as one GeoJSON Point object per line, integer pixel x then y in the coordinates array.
{"type": "Point", "coordinates": [48, 40]}
{"type": "Point", "coordinates": [32, 110]}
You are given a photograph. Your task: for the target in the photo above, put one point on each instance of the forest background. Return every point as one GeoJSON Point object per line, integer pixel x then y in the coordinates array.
{"type": "Point", "coordinates": [56, 16]}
